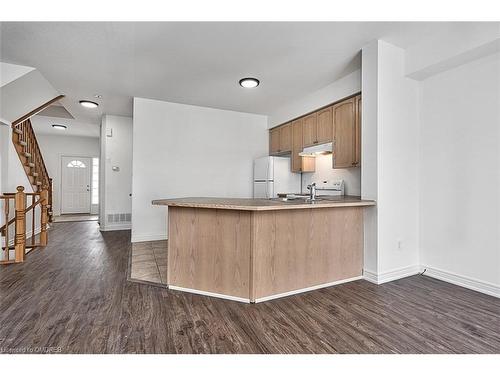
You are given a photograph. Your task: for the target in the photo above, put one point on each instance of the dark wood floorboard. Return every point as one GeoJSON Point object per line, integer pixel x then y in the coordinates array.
{"type": "Point", "coordinates": [74, 295]}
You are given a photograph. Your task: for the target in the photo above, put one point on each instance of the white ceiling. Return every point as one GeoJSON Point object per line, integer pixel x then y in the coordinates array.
{"type": "Point", "coordinates": [195, 63]}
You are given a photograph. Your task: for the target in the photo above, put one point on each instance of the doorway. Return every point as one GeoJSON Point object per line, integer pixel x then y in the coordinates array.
{"type": "Point", "coordinates": [75, 185]}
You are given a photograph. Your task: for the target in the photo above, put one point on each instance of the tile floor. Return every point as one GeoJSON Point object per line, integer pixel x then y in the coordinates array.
{"type": "Point", "coordinates": [149, 261]}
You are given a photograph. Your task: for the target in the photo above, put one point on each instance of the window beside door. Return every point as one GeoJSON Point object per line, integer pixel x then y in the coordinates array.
{"type": "Point", "coordinates": [95, 181]}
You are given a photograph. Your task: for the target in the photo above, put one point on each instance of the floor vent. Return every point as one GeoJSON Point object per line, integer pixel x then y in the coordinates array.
{"type": "Point", "coordinates": [119, 218]}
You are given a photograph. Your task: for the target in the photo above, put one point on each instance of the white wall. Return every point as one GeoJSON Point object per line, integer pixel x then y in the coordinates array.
{"type": "Point", "coordinates": [53, 147]}
{"type": "Point", "coordinates": [346, 86]}
{"type": "Point", "coordinates": [398, 162]}
{"type": "Point", "coordinates": [183, 150]}
{"type": "Point", "coordinates": [459, 174]}
{"type": "Point", "coordinates": [391, 135]}
{"type": "Point", "coordinates": [462, 43]}
{"type": "Point", "coordinates": [116, 151]}
{"type": "Point", "coordinates": [369, 153]}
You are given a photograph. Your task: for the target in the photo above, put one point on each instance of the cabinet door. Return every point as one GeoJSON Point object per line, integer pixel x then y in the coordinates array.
{"type": "Point", "coordinates": [309, 129]}
{"type": "Point", "coordinates": [357, 144]}
{"type": "Point", "coordinates": [296, 145]}
{"type": "Point", "coordinates": [299, 163]}
{"type": "Point", "coordinates": [325, 125]}
{"type": "Point", "coordinates": [274, 141]}
{"type": "Point", "coordinates": [286, 138]}
{"type": "Point", "coordinates": [344, 134]}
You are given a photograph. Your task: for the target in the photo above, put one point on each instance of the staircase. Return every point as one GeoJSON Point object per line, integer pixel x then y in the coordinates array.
{"type": "Point", "coordinates": [29, 153]}
{"type": "Point", "coordinates": [15, 205]}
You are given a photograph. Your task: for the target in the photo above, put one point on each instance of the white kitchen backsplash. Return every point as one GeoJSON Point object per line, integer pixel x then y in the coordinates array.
{"type": "Point", "coordinates": [324, 172]}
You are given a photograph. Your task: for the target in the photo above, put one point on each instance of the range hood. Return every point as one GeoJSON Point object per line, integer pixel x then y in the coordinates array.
{"type": "Point", "coordinates": [323, 149]}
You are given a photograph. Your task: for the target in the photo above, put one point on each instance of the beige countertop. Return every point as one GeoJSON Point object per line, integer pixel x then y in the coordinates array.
{"type": "Point", "coordinates": [248, 204]}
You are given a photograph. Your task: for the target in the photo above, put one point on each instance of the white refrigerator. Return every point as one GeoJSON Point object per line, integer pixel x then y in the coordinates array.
{"type": "Point", "coordinates": [273, 175]}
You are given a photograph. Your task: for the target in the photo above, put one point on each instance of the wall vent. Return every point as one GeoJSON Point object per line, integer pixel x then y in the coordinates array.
{"type": "Point", "coordinates": [120, 218]}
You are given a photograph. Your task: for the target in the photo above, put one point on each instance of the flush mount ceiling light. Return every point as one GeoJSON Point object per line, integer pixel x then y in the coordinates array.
{"type": "Point", "coordinates": [89, 104]}
{"type": "Point", "coordinates": [249, 83]}
{"type": "Point", "coordinates": [59, 127]}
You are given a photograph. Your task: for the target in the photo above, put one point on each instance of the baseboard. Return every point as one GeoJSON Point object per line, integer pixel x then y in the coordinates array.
{"type": "Point", "coordinates": [210, 294]}
{"type": "Point", "coordinates": [303, 290]}
{"type": "Point", "coordinates": [148, 237]}
{"type": "Point", "coordinates": [392, 275]}
{"type": "Point", "coordinates": [463, 281]}
{"type": "Point", "coordinates": [112, 227]}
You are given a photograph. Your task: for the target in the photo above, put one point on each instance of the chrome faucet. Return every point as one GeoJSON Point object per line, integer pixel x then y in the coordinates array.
{"type": "Point", "coordinates": [312, 191]}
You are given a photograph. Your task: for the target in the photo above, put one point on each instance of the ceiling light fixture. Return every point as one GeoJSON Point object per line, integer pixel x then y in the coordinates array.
{"type": "Point", "coordinates": [59, 127]}
{"type": "Point", "coordinates": [88, 104]}
{"type": "Point", "coordinates": [249, 83]}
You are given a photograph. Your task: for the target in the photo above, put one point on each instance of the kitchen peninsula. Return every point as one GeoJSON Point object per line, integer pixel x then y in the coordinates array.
{"type": "Point", "coordinates": [253, 250]}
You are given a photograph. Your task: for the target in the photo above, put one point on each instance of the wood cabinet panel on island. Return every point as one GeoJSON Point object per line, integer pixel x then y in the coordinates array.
{"type": "Point", "coordinates": [253, 250]}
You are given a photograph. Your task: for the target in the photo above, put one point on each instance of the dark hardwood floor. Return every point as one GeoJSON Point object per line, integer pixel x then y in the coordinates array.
{"type": "Point", "coordinates": [74, 296]}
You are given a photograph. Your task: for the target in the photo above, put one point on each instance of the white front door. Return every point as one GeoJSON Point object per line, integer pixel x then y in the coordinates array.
{"type": "Point", "coordinates": [75, 184]}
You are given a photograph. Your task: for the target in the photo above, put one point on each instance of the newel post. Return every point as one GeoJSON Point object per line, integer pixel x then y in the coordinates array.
{"type": "Point", "coordinates": [44, 196]}
{"type": "Point", "coordinates": [20, 225]}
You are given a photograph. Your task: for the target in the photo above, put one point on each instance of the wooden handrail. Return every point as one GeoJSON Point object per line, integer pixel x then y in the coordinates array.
{"type": "Point", "coordinates": [32, 206]}
{"type": "Point", "coordinates": [37, 110]}
{"type": "Point", "coordinates": [19, 219]}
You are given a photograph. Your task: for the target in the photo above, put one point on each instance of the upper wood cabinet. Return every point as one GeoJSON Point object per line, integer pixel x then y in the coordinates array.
{"type": "Point", "coordinates": [325, 126]}
{"type": "Point", "coordinates": [299, 163]}
{"type": "Point", "coordinates": [357, 153]}
{"type": "Point", "coordinates": [310, 129]}
{"type": "Point", "coordinates": [274, 141]}
{"type": "Point", "coordinates": [339, 123]}
{"type": "Point", "coordinates": [286, 138]}
{"type": "Point", "coordinates": [345, 134]}
{"type": "Point", "coordinates": [280, 139]}
{"type": "Point", "coordinates": [318, 127]}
